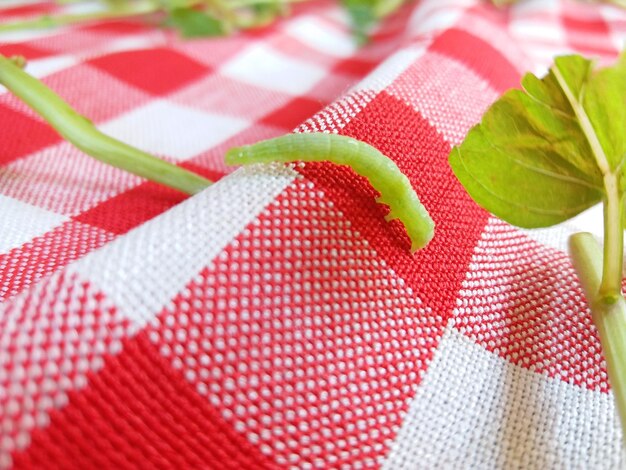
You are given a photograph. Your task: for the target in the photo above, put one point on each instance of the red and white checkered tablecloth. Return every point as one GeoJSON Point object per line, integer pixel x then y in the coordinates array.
{"type": "Point", "coordinates": [276, 320]}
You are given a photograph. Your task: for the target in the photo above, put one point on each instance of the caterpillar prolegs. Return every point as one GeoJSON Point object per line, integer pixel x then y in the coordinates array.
{"type": "Point", "coordinates": [383, 174]}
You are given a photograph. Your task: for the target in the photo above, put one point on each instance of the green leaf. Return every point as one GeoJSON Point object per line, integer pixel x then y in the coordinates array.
{"type": "Point", "coordinates": [193, 23]}
{"type": "Point", "coordinates": [540, 154]}
{"type": "Point", "coordinates": [363, 15]}
{"type": "Point", "coordinates": [605, 104]}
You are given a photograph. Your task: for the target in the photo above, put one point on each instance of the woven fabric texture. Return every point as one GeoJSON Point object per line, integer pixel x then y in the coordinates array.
{"type": "Point", "coordinates": [275, 320]}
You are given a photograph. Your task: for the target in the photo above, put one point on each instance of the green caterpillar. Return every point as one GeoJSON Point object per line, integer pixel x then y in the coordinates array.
{"type": "Point", "coordinates": [383, 174]}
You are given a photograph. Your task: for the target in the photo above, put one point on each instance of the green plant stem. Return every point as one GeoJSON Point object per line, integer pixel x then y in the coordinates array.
{"type": "Point", "coordinates": [83, 134]}
{"type": "Point", "coordinates": [248, 3]}
{"type": "Point", "coordinates": [609, 314]}
{"type": "Point", "coordinates": [611, 284]}
{"type": "Point", "coordinates": [47, 21]}
{"type": "Point", "coordinates": [226, 9]}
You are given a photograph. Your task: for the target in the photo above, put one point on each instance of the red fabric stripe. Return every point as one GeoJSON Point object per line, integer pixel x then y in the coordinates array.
{"type": "Point", "coordinates": [125, 211]}
{"type": "Point", "coordinates": [28, 11]}
{"type": "Point", "coordinates": [119, 27]}
{"type": "Point", "coordinates": [210, 174]}
{"type": "Point", "coordinates": [24, 266]}
{"type": "Point", "coordinates": [293, 113]}
{"type": "Point", "coordinates": [479, 56]}
{"type": "Point", "coordinates": [139, 413]}
{"type": "Point", "coordinates": [25, 50]}
{"type": "Point", "coordinates": [157, 71]}
{"type": "Point", "coordinates": [25, 135]}
{"type": "Point", "coordinates": [402, 134]}
{"type": "Point", "coordinates": [551, 333]}
{"type": "Point", "coordinates": [354, 66]}
{"type": "Point", "coordinates": [584, 33]}
{"type": "Point", "coordinates": [295, 313]}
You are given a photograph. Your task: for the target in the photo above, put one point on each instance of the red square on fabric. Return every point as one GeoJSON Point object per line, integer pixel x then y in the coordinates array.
{"type": "Point", "coordinates": [302, 336]}
{"type": "Point", "coordinates": [26, 11]}
{"type": "Point", "coordinates": [354, 66]}
{"type": "Point", "coordinates": [592, 22]}
{"type": "Point", "coordinates": [23, 135]}
{"type": "Point", "coordinates": [588, 32]}
{"type": "Point", "coordinates": [158, 71]}
{"type": "Point", "coordinates": [53, 338]}
{"type": "Point", "coordinates": [26, 265]}
{"type": "Point", "coordinates": [119, 27]}
{"type": "Point", "coordinates": [29, 52]}
{"type": "Point", "coordinates": [139, 412]}
{"type": "Point", "coordinates": [401, 133]}
{"type": "Point", "coordinates": [209, 173]}
{"type": "Point", "coordinates": [293, 113]}
{"type": "Point", "coordinates": [131, 208]}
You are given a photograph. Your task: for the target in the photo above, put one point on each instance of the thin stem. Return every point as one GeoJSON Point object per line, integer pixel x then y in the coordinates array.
{"type": "Point", "coordinates": [608, 316]}
{"type": "Point", "coordinates": [247, 3]}
{"type": "Point", "coordinates": [585, 124]}
{"type": "Point", "coordinates": [83, 134]}
{"type": "Point", "coordinates": [611, 285]}
{"type": "Point", "coordinates": [141, 8]}
{"type": "Point", "coordinates": [47, 21]}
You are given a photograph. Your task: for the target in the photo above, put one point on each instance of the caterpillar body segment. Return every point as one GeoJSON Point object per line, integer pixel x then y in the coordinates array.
{"type": "Point", "coordinates": [383, 174]}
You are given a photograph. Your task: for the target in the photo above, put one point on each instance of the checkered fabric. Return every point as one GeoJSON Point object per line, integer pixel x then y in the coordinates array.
{"type": "Point", "coordinates": [276, 320]}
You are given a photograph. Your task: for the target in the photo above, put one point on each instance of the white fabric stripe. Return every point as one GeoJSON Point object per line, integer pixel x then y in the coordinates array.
{"type": "Point", "coordinates": [273, 70]}
{"type": "Point", "coordinates": [41, 68]}
{"type": "Point", "coordinates": [391, 68]}
{"type": "Point", "coordinates": [144, 269]}
{"type": "Point", "coordinates": [157, 127]}
{"type": "Point", "coordinates": [322, 36]}
{"type": "Point", "coordinates": [557, 236]}
{"type": "Point", "coordinates": [433, 89]}
{"type": "Point", "coordinates": [476, 410]}
{"type": "Point", "coordinates": [430, 18]}
{"type": "Point", "coordinates": [337, 115]}
{"type": "Point", "coordinates": [613, 16]}
{"type": "Point", "coordinates": [21, 35]}
{"type": "Point", "coordinates": [22, 222]}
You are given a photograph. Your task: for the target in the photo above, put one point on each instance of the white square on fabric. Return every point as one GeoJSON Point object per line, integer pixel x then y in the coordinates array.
{"type": "Point", "coordinates": [322, 37]}
{"type": "Point", "coordinates": [47, 66]}
{"type": "Point", "coordinates": [267, 68]}
{"type": "Point", "coordinates": [557, 236]}
{"type": "Point", "coordinates": [41, 68]}
{"type": "Point", "coordinates": [21, 222]}
{"type": "Point", "coordinates": [173, 253]}
{"type": "Point", "coordinates": [477, 409]}
{"type": "Point", "coordinates": [166, 128]}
